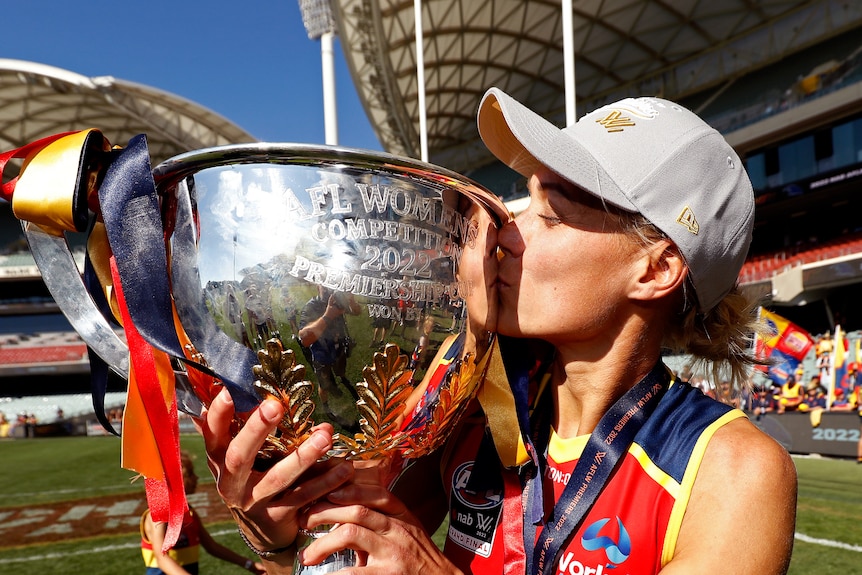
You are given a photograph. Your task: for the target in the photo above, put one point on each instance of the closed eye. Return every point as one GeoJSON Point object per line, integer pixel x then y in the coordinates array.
{"type": "Point", "coordinates": [551, 220]}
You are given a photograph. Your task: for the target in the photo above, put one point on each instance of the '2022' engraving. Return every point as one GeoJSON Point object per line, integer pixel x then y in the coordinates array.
{"type": "Point", "coordinates": [407, 262]}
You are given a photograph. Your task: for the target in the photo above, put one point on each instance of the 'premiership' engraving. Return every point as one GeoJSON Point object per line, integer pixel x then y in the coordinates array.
{"type": "Point", "coordinates": [371, 286]}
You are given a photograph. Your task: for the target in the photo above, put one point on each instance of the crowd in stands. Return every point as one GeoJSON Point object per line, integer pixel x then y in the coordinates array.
{"type": "Point", "coordinates": [21, 416]}
{"type": "Point", "coordinates": [806, 390]}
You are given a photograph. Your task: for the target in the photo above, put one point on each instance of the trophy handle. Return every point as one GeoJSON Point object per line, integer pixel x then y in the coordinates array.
{"type": "Point", "coordinates": [61, 276]}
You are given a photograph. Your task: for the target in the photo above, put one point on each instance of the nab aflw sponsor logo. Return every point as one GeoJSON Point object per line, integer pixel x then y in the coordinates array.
{"type": "Point", "coordinates": [474, 515]}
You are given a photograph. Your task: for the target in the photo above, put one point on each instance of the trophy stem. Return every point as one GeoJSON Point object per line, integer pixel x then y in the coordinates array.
{"type": "Point", "coordinates": [336, 561]}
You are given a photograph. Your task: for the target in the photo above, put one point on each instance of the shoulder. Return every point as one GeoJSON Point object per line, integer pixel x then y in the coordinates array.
{"type": "Point", "coordinates": [741, 464]}
{"type": "Point", "coordinates": [740, 448]}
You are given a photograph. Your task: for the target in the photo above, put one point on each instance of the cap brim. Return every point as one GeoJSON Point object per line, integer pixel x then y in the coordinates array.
{"type": "Point", "coordinates": [518, 137]}
{"type": "Point", "coordinates": [498, 136]}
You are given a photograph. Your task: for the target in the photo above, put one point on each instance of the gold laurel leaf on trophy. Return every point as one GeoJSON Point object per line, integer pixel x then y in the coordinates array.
{"type": "Point", "coordinates": [280, 377]}
{"type": "Point", "coordinates": [386, 385]}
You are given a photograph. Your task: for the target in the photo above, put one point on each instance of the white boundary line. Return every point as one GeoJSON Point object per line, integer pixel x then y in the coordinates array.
{"type": "Point", "coordinates": [828, 543]}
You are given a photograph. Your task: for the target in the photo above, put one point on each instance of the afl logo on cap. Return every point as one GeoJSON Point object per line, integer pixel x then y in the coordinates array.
{"type": "Point", "coordinates": [620, 115]}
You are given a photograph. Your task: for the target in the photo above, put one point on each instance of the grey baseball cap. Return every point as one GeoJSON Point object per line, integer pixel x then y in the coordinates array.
{"type": "Point", "coordinates": [644, 155]}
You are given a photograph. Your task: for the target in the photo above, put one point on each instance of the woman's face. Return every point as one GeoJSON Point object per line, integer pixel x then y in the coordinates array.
{"type": "Point", "coordinates": [566, 266]}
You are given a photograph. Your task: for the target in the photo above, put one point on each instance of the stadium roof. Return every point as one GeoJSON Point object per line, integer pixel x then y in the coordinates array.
{"type": "Point", "coordinates": [37, 100]}
{"type": "Point", "coordinates": [672, 48]}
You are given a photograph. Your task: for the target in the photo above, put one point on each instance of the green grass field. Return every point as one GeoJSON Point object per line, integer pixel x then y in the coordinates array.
{"type": "Point", "coordinates": [35, 472]}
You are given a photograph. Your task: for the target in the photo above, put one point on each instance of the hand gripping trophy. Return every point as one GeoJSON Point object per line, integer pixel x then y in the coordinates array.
{"type": "Point", "coordinates": [352, 286]}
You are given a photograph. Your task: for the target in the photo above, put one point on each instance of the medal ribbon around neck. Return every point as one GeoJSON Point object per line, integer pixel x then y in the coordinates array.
{"type": "Point", "coordinates": [605, 449]}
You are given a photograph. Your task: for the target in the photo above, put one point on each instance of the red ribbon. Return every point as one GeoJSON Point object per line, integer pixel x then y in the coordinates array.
{"type": "Point", "coordinates": [166, 496]}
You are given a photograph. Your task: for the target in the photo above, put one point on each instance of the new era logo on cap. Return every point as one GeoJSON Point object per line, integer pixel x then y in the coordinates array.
{"type": "Point", "coordinates": [687, 219]}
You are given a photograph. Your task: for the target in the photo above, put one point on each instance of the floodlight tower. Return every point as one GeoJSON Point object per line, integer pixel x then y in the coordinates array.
{"type": "Point", "coordinates": [320, 24]}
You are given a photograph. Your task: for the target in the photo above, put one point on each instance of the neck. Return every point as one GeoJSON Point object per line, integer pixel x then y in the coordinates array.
{"type": "Point", "coordinates": [585, 385]}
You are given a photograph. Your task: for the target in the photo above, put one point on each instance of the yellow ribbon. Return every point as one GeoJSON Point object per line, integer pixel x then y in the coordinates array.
{"type": "Point", "coordinates": [51, 181]}
{"type": "Point", "coordinates": [99, 252]}
{"type": "Point", "coordinates": [498, 403]}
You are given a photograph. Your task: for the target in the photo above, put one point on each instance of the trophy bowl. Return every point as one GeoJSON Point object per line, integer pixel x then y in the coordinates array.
{"type": "Point", "coordinates": [354, 287]}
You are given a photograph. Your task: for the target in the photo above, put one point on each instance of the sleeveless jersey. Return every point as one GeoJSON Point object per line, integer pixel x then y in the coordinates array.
{"type": "Point", "coordinates": [187, 549]}
{"type": "Point", "coordinates": [634, 523]}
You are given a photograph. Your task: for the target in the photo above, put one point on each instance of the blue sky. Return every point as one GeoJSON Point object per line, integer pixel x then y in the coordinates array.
{"type": "Point", "coordinates": [251, 62]}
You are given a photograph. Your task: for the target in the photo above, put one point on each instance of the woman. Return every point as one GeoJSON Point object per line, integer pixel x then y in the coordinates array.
{"type": "Point", "coordinates": [639, 221]}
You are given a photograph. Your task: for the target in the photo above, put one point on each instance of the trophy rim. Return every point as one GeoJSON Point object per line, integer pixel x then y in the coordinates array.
{"type": "Point", "coordinates": [313, 155]}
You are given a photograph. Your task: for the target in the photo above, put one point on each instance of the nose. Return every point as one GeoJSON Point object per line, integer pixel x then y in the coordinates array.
{"type": "Point", "coordinates": [510, 240]}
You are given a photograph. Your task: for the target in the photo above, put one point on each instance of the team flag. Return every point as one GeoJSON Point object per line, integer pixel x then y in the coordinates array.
{"type": "Point", "coordinates": [840, 384]}
{"type": "Point", "coordinates": [784, 344]}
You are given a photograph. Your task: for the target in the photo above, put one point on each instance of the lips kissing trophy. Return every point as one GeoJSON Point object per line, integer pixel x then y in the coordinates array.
{"type": "Point", "coordinates": [354, 287]}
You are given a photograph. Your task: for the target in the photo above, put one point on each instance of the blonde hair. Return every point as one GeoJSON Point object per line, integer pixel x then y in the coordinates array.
{"type": "Point", "coordinates": [721, 339]}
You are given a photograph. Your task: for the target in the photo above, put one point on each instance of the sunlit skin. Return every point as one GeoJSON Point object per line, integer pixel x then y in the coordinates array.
{"type": "Point", "coordinates": [571, 277]}
{"type": "Point", "coordinates": [555, 281]}
{"type": "Point", "coordinates": [568, 275]}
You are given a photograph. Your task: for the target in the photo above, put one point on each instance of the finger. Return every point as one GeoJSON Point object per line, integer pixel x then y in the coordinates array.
{"type": "Point", "coordinates": [302, 472]}
{"type": "Point", "coordinates": [323, 513]}
{"type": "Point", "coordinates": [230, 458]}
{"type": "Point", "coordinates": [373, 496]}
{"type": "Point", "coordinates": [342, 537]}
{"type": "Point", "coordinates": [242, 450]}
{"type": "Point", "coordinates": [215, 424]}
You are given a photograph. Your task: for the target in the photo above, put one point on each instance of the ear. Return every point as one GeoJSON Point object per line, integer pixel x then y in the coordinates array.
{"type": "Point", "coordinates": [660, 272]}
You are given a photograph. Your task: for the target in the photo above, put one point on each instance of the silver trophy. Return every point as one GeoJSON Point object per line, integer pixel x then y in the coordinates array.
{"type": "Point", "coordinates": [354, 287]}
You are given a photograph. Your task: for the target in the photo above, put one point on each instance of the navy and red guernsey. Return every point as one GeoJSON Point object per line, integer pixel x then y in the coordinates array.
{"type": "Point", "coordinates": [633, 526]}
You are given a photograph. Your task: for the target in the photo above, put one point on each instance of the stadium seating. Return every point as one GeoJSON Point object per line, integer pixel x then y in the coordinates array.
{"type": "Point", "coordinates": [45, 407]}
{"type": "Point", "coordinates": [763, 266]}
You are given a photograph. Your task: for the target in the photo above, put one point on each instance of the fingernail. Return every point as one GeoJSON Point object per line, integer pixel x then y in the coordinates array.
{"type": "Point", "coordinates": [269, 410]}
{"type": "Point", "coordinates": [334, 496]}
{"type": "Point", "coordinates": [225, 397]}
{"type": "Point", "coordinates": [319, 440]}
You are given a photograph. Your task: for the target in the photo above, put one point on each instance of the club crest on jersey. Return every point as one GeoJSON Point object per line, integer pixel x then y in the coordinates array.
{"type": "Point", "coordinates": [474, 515]}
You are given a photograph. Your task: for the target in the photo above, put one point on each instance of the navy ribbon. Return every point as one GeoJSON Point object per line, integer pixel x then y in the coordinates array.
{"type": "Point", "coordinates": [130, 208]}
{"type": "Point", "coordinates": [607, 444]}
{"type": "Point", "coordinates": [98, 367]}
